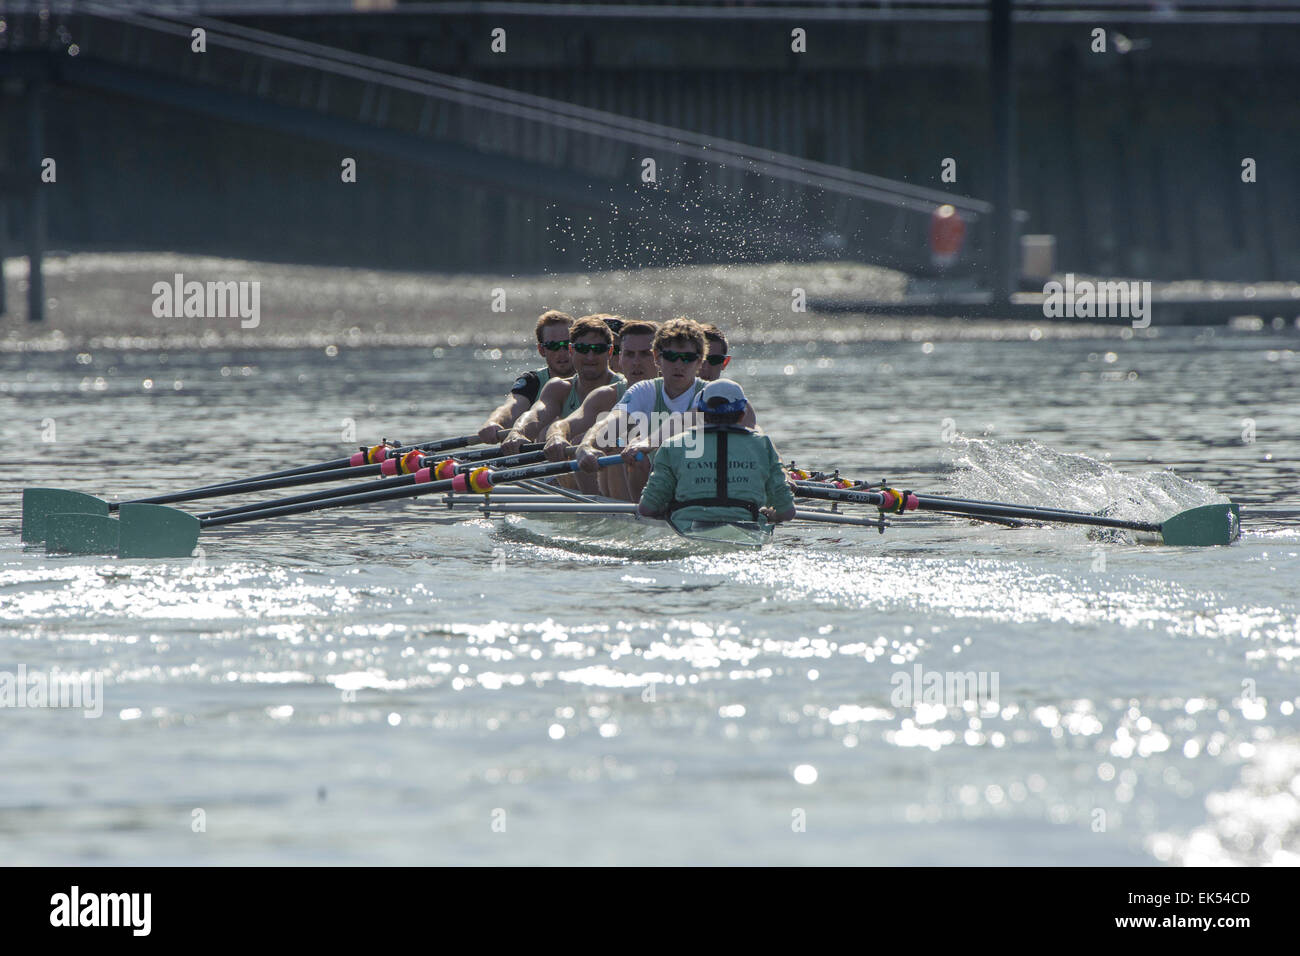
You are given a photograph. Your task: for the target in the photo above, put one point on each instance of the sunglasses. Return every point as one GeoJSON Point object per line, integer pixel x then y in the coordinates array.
{"type": "Point", "coordinates": [556, 346]}
{"type": "Point", "coordinates": [716, 359]}
{"type": "Point", "coordinates": [668, 355]}
{"type": "Point", "coordinates": [590, 348]}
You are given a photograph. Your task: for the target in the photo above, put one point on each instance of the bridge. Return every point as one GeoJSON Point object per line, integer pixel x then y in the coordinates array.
{"type": "Point", "coordinates": [474, 161]}
{"type": "Point", "coordinates": [573, 163]}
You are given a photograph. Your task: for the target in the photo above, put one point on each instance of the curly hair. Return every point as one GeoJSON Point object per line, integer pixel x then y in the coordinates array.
{"type": "Point", "coordinates": [681, 328]}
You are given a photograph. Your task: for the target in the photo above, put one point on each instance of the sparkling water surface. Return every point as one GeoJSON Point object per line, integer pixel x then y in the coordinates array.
{"type": "Point", "coordinates": [394, 685]}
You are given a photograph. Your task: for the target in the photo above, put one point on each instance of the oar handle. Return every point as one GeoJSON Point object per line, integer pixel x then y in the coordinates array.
{"type": "Point", "coordinates": [483, 480]}
{"type": "Point", "coordinates": [827, 493]}
{"type": "Point", "coordinates": [442, 444]}
{"type": "Point", "coordinates": [484, 454]}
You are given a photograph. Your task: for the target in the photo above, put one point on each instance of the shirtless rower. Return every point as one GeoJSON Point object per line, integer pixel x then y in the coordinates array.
{"type": "Point", "coordinates": [636, 343]}
{"type": "Point", "coordinates": [722, 472]}
{"type": "Point", "coordinates": [590, 341]}
{"type": "Point", "coordinates": [552, 331]}
{"type": "Point", "coordinates": [653, 411]}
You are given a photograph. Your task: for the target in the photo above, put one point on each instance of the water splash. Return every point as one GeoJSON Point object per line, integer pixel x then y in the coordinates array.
{"type": "Point", "coordinates": [1029, 472]}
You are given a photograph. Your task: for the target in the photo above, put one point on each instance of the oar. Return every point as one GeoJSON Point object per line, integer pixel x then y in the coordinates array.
{"type": "Point", "coordinates": [834, 480]}
{"type": "Point", "coordinates": [397, 461]}
{"type": "Point", "coordinates": [400, 466]}
{"type": "Point", "coordinates": [436, 468]}
{"type": "Point", "coordinates": [375, 454]}
{"type": "Point", "coordinates": [38, 503]}
{"type": "Point", "coordinates": [94, 534]}
{"type": "Point", "coordinates": [157, 531]}
{"type": "Point", "coordinates": [1203, 526]}
{"type": "Point", "coordinates": [1003, 522]}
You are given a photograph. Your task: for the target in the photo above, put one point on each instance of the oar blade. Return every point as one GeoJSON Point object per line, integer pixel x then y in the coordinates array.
{"type": "Point", "coordinates": [81, 534]}
{"type": "Point", "coordinates": [40, 503]}
{"type": "Point", "coordinates": [156, 531]}
{"type": "Point", "coordinates": [1205, 526]}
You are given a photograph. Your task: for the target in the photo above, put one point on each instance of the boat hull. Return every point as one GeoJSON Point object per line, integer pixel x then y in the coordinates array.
{"type": "Point", "coordinates": [608, 522]}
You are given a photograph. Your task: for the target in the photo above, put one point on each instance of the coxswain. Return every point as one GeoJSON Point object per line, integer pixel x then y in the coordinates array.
{"type": "Point", "coordinates": [732, 474]}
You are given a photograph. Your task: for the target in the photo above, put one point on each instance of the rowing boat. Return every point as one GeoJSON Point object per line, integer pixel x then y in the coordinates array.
{"type": "Point", "coordinates": [488, 483]}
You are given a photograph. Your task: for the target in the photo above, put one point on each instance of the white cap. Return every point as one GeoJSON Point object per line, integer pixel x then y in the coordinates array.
{"type": "Point", "coordinates": [722, 392]}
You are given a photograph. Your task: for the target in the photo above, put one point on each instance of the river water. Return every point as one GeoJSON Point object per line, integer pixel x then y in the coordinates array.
{"type": "Point", "coordinates": [390, 685]}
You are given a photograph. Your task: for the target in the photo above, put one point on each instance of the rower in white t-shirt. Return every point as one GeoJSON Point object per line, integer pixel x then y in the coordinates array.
{"type": "Point", "coordinates": [650, 398]}
{"type": "Point", "coordinates": [653, 411]}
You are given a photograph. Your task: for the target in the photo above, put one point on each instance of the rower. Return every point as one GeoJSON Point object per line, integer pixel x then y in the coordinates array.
{"type": "Point", "coordinates": [734, 474]}
{"type": "Point", "coordinates": [615, 323]}
{"type": "Point", "coordinates": [717, 359]}
{"type": "Point", "coordinates": [636, 341]}
{"type": "Point", "coordinates": [652, 411]}
{"type": "Point", "coordinates": [590, 340]}
{"type": "Point", "coordinates": [552, 331]}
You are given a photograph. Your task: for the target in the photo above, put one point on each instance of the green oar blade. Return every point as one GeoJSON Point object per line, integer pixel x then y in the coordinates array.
{"type": "Point", "coordinates": [39, 503]}
{"type": "Point", "coordinates": [81, 534]}
{"type": "Point", "coordinates": [156, 531]}
{"type": "Point", "coordinates": [1203, 526]}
